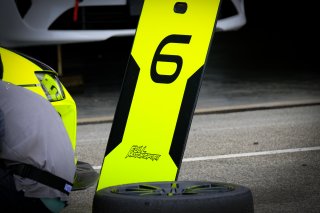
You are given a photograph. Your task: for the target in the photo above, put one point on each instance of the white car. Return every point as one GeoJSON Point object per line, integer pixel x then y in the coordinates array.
{"type": "Point", "coordinates": [45, 22]}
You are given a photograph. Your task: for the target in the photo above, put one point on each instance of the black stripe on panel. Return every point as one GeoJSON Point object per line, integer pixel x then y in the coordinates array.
{"type": "Point", "coordinates": [185, 116]}
{"type": "Point", "coordinates": [124, 105]}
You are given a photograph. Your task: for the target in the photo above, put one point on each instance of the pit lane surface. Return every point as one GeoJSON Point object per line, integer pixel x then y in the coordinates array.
{"type": "Point", "coordinates": [245, 67]}
{"type": "Point", "coordinates": [282, 177]}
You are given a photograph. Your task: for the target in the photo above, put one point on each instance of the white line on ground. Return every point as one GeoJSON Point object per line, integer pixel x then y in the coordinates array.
{"type": "Point", "coordinates": [96, 167]}
{"type": "Point", "coordinates": [249, 154]}
{"type": "Point", "coordinates": [92, 140]}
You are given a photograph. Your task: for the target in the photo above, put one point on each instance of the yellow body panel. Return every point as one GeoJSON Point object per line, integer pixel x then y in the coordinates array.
{"type": "Point", "coordinates": [20, 71]}
{"type": "Point", "coordinates": [143, 153]}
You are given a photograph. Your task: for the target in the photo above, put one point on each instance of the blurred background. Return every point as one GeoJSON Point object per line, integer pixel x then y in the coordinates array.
{"type": "Point", "coordinates": [262, 65]}
{"type": "Point", "coordinates": [279, 38]}
{"type": "Point", "coordinates": [268, 52]}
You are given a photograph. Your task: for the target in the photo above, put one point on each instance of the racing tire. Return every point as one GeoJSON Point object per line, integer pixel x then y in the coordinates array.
{"type": "Point", "coordinates": [177, 197]}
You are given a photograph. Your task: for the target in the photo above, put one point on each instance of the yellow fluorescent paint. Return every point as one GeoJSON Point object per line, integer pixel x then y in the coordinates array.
{"type": "Point", "coordinates": [21, 71]}
{"type": "Point", "coordinates": [67, 110]}
{"type": "Point", "coordinates": [155, 106]}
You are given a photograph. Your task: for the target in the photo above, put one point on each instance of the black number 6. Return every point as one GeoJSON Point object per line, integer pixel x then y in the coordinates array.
{"type": "Point", "coordinates": [167, 79]}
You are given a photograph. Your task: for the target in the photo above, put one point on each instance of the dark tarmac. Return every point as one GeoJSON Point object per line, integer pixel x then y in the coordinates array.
{"type": "Point", "coordinates": [238, 76]}
{"type": "Point", "coordinates": [270, 63]}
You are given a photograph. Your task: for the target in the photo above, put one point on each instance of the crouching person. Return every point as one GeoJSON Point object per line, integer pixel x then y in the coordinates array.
{"type": "Point", "coordinates": [36, 157]}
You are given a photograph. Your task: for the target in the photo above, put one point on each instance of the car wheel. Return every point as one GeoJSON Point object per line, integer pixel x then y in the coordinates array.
{"type": "Point", "coordinates": [177, 197]}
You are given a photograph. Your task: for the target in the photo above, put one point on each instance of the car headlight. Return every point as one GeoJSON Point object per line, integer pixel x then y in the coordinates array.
{"type": "Point", "coordinates": [51, 86]}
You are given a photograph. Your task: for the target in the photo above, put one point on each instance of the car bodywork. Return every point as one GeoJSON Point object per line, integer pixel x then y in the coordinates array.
{"type": "Point", "coordinates": [234, 21]}
{"type": "Point", "coordinates": [41, 79]}
{"type": "Point", "coordinates": [45, 22]}
{"type": "Point", "coordinates": [25, 24]}
{"type": "Point", "coordinates": [34, 75]}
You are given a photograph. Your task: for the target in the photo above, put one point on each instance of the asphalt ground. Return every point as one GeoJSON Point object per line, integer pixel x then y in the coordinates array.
{"type": "Point", "coordinates": [275, 152]}
{"type": "Point", "coordinates": [257, 122]}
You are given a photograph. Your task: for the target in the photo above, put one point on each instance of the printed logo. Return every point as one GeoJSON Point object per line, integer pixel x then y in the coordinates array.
{"type": "Point", "coordinates": [141, 153]}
